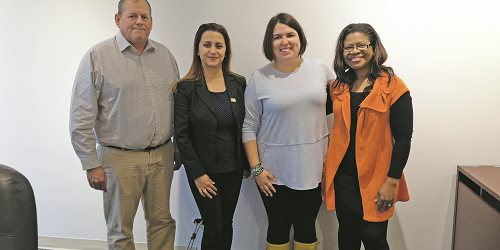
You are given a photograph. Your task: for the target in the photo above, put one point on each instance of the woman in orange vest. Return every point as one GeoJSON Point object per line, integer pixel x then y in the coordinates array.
{"type": "Point", "coordinates": [370, 140]}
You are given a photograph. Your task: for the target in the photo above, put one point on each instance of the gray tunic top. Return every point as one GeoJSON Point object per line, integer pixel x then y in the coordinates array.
{"type": "Point", "coordinates": [286, 114]}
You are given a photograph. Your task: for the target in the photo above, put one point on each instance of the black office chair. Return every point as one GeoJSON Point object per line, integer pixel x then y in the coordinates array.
{"type": "Point", "coordinates": [18, 224]}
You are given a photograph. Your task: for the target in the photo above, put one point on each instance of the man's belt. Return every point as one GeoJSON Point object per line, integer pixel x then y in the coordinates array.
{"type": "Point", "coordinates": [148, 149]}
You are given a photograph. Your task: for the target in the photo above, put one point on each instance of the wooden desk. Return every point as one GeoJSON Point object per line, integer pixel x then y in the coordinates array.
{"type": "Point", "coordinates": [477, 208]}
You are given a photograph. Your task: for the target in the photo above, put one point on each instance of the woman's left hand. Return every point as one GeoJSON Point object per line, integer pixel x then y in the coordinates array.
{"type": "Point", "coordinates": [386, 195]}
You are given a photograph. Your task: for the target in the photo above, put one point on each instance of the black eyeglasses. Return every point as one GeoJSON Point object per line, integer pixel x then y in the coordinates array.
{"type": "Point", "coordinates": [358, 47]}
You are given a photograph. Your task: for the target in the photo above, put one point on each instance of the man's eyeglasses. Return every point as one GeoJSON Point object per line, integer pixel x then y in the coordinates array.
{"type": "Point", "coordinates": [358, 47]}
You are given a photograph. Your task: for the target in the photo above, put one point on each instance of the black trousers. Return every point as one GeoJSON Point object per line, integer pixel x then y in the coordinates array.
{"type": "Point", "coordinates": [353, 230]}
{"type": "Point", "coordinates": [289, 207]}
{"type": "Point", "coordinates": [217, 213]}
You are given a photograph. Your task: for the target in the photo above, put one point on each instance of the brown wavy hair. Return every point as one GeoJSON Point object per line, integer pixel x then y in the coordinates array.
{"type": "Point", "coordinates": [347, 76]}
{"type": "Point", "coordinates": [196, 70]}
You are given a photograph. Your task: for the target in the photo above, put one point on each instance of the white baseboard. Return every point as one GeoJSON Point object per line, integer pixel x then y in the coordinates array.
{"type": "Point", "coordinates": [54, 243]}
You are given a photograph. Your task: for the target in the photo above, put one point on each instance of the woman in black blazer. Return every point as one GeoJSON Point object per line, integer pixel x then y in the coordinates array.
{"type": "Point", "coordinates": [208, 115]}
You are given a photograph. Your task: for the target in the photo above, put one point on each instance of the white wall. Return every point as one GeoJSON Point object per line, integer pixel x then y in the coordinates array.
{"type": "Point", "coordinates": [446, 51]}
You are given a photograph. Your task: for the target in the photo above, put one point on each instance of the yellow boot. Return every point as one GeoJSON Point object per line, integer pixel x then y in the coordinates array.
{"type": "Point", "coordinates": [304, 246]}
{"type": "Point", "coordinates": [270, 246]}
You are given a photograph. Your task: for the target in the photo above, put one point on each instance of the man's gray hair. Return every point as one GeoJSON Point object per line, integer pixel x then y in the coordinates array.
{"type": "Point", "coordinates": [120, 5]}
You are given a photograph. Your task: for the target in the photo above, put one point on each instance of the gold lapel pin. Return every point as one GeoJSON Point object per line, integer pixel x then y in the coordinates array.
{"type": "Point", "coordinates": [233, 99]}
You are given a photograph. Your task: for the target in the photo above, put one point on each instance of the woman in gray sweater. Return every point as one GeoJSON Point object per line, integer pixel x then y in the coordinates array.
{"type": "Point", "coordinates": [285, 133]}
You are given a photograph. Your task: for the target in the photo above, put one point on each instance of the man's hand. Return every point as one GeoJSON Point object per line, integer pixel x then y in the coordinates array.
{"type": "Point", "coordinates": [97, 179]}
{"type": "Point", "coordinates": [177, 161]}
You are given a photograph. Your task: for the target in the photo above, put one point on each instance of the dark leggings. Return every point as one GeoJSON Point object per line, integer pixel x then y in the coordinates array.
{"type": "Point", "coordinates": [217, 213]}
{"type": "Point", "coordinates": [290, 207]}
{"type": "Point", "coordinates": [353, 229]}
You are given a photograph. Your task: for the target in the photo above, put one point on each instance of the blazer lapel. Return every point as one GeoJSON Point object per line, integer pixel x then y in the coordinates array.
{"type": "Point", "coordinates": [201, 90]}
{"type": "Point", "coordinates": [232, 91]}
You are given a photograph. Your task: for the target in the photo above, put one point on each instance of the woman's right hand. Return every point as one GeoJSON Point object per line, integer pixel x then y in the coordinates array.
{"type": "Point", "coordinates": [205, 186]}
{"type": "Point", "coordinates": [264, 184]}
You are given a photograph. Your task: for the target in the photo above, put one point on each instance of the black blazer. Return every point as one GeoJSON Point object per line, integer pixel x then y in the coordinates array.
{"type": "Point", "coordinates": [195, 122]}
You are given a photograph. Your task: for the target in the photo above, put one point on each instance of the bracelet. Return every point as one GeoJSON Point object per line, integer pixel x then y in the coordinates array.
{"type": "Point", "coordinates": [257, 170]}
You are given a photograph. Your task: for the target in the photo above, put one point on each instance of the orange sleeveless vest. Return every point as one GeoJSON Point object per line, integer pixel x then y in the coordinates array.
{"type": "Point", "coordinates": [373, 144]}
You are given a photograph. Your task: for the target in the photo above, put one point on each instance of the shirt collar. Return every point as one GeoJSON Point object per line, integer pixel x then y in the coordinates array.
{"type": "Point", "coordinates": [123, 43]}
